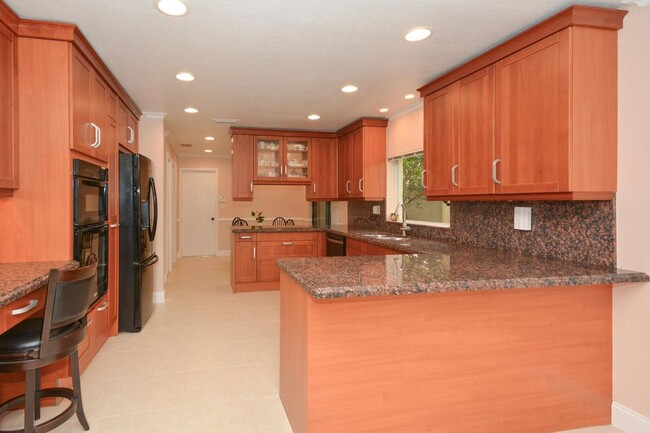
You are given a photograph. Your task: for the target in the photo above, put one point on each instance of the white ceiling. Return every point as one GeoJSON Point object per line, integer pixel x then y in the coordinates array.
{"type": "Point", "coordinates": [270, 63]}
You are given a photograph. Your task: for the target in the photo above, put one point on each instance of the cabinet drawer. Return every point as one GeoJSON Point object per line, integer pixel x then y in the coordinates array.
{"type": "Point", "coordinates": [281, 237]}
{"type": "Point", "coordinates": [21, 309]}
{"type": "Point", "coordinates": [277, 249]}
{"type": "Point", "coordinates": [245, 237]}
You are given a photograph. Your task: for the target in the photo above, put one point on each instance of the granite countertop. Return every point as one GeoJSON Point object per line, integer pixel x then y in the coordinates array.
{"type": "Point", "coordinates": [21, 279]}
{"type": "Point", "coordinates": [437, 267]}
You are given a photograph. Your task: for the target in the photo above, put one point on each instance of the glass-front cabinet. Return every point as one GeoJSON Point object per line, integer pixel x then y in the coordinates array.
{"type": "Point", "coordinates": [282, 159]}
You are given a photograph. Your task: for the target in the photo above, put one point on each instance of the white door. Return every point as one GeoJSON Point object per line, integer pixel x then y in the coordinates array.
{"type": "Point", "coordinates": [198, 212]}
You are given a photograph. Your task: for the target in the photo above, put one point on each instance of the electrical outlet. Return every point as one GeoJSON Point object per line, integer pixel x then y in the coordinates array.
{"type": "Point", "coordinates": [222, 199]}
{"type": "Point", "coordinates": [523, 218]}
{"type": "Point", "coordinates": [376, 210]}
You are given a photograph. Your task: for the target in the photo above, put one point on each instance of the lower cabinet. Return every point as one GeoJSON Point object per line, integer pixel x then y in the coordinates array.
{"type": "Point", "coordinates": [97, 332]}
{"type": "Point", "coordinates": [354, 247]}
{"type": "Point", "coordinates": [253, 261]}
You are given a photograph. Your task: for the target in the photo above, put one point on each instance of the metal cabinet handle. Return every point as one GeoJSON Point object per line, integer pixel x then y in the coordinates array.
{"type": "Point", "coordinates": [281, 170]}
{"type": "Point", "coordinates": [453, 175]}
{"type": "Point", "coordinates": [131, 135]}
{"type": "Point", "coordinates": [29, 307]}
{"type": "Point", "coordinates": [314, 185]}
{"type": "Point", "coordinates": [103, 306]}
{"type": "Point", "coordinates": [287, 243]}
{"type": "Point", "coordinates": [98, 136]}
{"type": "Point", "coordinates": [494, 171]}
{"type": "Point", "coordinates": [114, 226]}
{"type": "Point", "coordinates": [361, 185]}
{"type": "Point", "coordinates": [251, 186]}
{"type": "Point", "coordinates": [245, 237]}
{"type": "Point", "coordinates": [286, 170]}
{"type": "Point", "coordinates": [254, 253]}
{"type": "Point", "coordinates": [424, 186]}
{"type": "Point", "coordinates": [347, 186]}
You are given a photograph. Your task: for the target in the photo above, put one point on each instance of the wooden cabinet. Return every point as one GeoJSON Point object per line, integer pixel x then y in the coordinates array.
{"type": "Point", "coordinates": [534, 118]}
{"type": "Point", "coordinates": [362, 160]}
{"type": "Point", "coordinates": [323, 164]}
{"type": "Point", "coordinates": [97, 332]}
{"type": "Point", "coordinates": [8, 112]}
{"type": "Point", "coordinates": [90, 108]}
{"type": "Point", "coordinates": [242, 167]}
{"type": "Point", "coordinates": [128, 129]}
{"type": "Point", "coordinates": [355, 247]}
{"type": "Point", "coordinates": [282, 159]}
{"type": "Point", "coordinates": [113, 224]}
{"type": "Point", "coordinates": [22, 309]}
{"type": "Point", "coordinates": [253, 257]}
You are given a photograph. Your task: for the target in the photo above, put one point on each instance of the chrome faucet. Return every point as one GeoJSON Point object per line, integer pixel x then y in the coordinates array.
{"type": "Point", "coordinates": [405, 226]}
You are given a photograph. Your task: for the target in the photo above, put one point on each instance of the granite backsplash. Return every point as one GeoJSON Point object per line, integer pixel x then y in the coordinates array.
{"type": "Point", "coordinates": [581, 232]}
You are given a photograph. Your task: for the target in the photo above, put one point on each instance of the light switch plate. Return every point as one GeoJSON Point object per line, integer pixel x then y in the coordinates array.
{"type": "Point", "coordinates": [376, 210]}
{"type": "Point", "coordinates": [523, 218]}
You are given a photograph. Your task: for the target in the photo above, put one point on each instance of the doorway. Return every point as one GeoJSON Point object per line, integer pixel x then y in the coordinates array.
{"type": "Point", "coordinates": [199, 219]}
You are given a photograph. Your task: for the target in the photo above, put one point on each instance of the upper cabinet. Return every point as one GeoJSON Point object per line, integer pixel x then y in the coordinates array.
{"type": "Point", "coordinates": [282, 159]}
{"type": "Point", "coordinates": [127, 125]}
{"type": "Point", "coordinates": [242, 167]}
{"type": "Point", "coordinates": [362, 160]}
{"type": "Point", "coordinates": [323, 165]}
{"type": "Point", "coordinates": [534, 118]}
{"type": "Point", "coordinates": [8, 112]}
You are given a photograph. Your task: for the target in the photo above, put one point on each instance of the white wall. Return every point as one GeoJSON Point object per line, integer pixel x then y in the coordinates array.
{"type": "Point", "coordinates": [152, 145]}
{"type": "Point", "coordinates": [632, 302]}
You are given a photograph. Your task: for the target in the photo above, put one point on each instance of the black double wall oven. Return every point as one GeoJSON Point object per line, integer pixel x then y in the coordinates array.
{"type": "Point", "coordinates": [90, 212]}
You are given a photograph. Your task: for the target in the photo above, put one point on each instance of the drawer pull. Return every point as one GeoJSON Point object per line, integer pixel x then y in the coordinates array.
{"type": "Point", "coordinates": [287, 243]}
{"type": "Point", "coordinates": [103, 306]}
{"type": "Point", "coordinates": [254, 253]}
{"type": "Point", "coordinates": [494, 171]}
{"type": "Point", "coordinates": [29, 307]}
{"type": "Point", "coordinates": [245, 237]}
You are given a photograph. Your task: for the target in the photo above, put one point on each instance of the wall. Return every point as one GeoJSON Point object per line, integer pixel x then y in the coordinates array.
{"type": "Point", "coordinates": [273, 201]}
{"type": "Point", "coordinates": [152, 145]}
{"type": "Point", "coordinates": [632, 302]}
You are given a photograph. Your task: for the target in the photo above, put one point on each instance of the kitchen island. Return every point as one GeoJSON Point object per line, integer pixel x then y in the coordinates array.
{"type": "Point", "coordinates": [456, 340]}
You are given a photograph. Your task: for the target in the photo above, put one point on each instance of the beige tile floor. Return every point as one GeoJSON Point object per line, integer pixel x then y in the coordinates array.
{"type": "Point", "coordinates": [207, 361]}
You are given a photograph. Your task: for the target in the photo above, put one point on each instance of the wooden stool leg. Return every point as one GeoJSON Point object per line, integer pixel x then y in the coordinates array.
{"type": "Point", "coordinates": [76, 389]}
{"type": "Point", "coordinates": [37, 403]}
{"type": "Point", "coordinates": [30, 399]}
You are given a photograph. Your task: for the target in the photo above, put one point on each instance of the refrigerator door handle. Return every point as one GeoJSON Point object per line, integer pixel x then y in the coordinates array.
{"type": "Point", "coordinates": [148, 261]}
{"type": "Point", "coordinates": [153, 203]}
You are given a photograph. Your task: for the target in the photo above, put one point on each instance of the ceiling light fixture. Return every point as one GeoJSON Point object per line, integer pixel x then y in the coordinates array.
{"type": "Point", "coordinates": [313, 117]}
{"type": "Point", "coordinates": [174, 8]}
{"type": "Point", "coordinates": [191, 110]}
{"type": "Point", "coordinates": [185, 76]}
{"type": "Point", "coordinates": [383, 110]}
{"type": "Point", "coordinates": [418, 34]}
{"type": "Point", "coordinates": [208, 150]}
{"type": "Point", "coordinates": [349, 88]}
{"type": "Point", "coordinates": [209, 138]}
{"type": "Point", "coordinates": [409, 96]}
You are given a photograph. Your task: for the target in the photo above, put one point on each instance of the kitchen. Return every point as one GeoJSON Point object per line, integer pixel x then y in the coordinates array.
{"type": "Point", "coordinates": [625, 216]}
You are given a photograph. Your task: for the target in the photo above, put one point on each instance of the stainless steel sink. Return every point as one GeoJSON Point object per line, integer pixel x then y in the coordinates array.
{"type": "Point", "coordinates": [384, 237]}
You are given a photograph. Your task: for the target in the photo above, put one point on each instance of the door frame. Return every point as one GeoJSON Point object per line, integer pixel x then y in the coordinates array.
{"type": "Point", "coordinates": [182, 205]}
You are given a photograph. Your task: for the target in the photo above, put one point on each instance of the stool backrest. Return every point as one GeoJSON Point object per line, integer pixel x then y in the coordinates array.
{"type": "Point", "coordinates": [69, 294]}
{"type": "Point", "coordinates": [239, 222]}
{"type": "Point", "coordinates": [279, 221]}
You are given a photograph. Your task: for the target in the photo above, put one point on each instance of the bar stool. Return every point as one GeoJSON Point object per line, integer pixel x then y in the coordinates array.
{"type": "Point", "coordinates": [38, 342]}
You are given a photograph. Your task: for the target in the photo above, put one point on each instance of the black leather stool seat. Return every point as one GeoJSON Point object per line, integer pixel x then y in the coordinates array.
{"type": "Point", "coordinates": [25, 337]}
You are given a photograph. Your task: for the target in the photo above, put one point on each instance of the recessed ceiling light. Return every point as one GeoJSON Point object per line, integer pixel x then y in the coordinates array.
{"type": "Point", "coordinates": [208, 150]}
{"type": "Point", "coordinates": [383, 110]}
{"type": "Point", "coordinates": [174, 8]}
{"type": "Point", "coordinates": [409, 96]}
{"type": "Point", "coordinates": [185, 76]}
{"type": "Point", "coordinates": [191, 110]}
{"type": "Point", "coordinates": [209, 138]}
{"type": "Point", "coordinates": [313, 117]}
{"type": "Point", "coordinates": [418, 34]}
{"type": "Point", "coordinates": [349, 88]}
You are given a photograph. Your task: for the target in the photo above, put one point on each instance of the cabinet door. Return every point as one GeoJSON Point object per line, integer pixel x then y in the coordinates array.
{"type": "Point", "coordinates": [440, 120]}
{"type": "Point", "coordinates": [82, 133]}
{"type": "Point", "coordinates": [296, 160]}
{"type": "Point", "coordinates": [132, 131]}
{"type": "Point", "coordinates": [356, 137]}
{"type": "Point", "coordinates": [113, 277]}
{"type": "Point", "coordinates": [476, 133]}
{"type": "Point", "coordinates": [114, 231]}
{"type": "Point", "coordinates": [345, 166]}
{"type": "Point", "coordinates": [245, 262]}
{"type": "Point", "coordinates": [112, 105]}
{"type": "Point", "coordinates": [99, 115]}
{"type": "Point", "coordinates": [323, 166]}
{"type": "Point", "coordinates": [533, 117]}
{"type": "Point", "coordinates": [8, 112]}
{"type": "Point", "coordinates": [269, 161]}
{"type": "Point", "coordinates": [122, 125]}
{"type": "Point", "coordinates": [242, 167]}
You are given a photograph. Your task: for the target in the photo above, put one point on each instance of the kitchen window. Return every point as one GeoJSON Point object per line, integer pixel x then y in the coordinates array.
{"type": "Point", "coordinates": [405, 186]}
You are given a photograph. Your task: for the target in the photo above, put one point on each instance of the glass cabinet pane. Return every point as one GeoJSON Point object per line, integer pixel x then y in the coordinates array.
{"type": "Point", "coordinates": [268, 158]}
{"type": "Point", "coordinates": [297, 159]}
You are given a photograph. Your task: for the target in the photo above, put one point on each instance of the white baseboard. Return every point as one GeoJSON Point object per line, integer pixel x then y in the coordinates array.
{"type": "Point", "coordinates": [158, 297]}
{"type": "Point", "coordinates": [223, 253]}
{"type": "Point", "coordinates": [628, 420]}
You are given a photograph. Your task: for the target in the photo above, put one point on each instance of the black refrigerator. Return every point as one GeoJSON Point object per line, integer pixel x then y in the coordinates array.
{"type": "Point", "coordinates": [138, 221]}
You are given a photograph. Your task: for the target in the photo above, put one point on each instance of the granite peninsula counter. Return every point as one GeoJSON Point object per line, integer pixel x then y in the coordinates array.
{"type": "Point", "coordinates": [448, 338]}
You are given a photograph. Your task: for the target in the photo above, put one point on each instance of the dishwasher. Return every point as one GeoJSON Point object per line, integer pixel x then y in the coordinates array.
{"type": "Point", "coordinates": [335, 245]}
